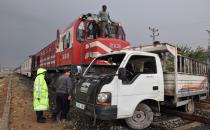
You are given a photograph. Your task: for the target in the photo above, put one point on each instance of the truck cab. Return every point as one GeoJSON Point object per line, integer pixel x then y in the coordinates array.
{"type": "Point", "coordinates": [122, 85]}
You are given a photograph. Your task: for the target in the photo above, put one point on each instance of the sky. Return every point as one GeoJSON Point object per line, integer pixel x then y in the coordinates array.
{"type": "Point", "coordinates": [26, 26]}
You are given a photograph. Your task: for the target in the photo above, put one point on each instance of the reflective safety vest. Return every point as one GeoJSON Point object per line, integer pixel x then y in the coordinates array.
{"type": "Point", "coordinates": [40, 93]}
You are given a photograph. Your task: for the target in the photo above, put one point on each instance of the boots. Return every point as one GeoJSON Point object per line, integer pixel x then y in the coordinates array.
{"type": "Point", "coordinates": [42, 120]}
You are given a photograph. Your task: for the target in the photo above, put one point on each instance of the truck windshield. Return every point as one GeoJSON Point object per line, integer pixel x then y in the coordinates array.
{"type": "Point", "coordinates": [105, 65]}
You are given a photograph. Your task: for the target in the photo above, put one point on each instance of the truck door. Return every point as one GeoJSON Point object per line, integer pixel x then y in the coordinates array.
{"type": "Point", "coordinates": [141, 83]}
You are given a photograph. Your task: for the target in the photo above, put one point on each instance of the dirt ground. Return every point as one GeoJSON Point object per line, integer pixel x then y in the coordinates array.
{"type": "Point", "coordinates": [22, 116]}
{"type": "Point", "coordinates": [3, 94]}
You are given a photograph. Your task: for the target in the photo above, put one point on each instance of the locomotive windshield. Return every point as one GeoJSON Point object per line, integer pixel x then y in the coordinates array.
{"type": "Point", "coordinates": [105, 65]}
{"type": "Point", "coordinates": [89, 28]}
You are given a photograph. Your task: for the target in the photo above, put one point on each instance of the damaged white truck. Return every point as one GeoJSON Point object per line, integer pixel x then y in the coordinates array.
{"type": "Point", "coordinates": [132, 84]}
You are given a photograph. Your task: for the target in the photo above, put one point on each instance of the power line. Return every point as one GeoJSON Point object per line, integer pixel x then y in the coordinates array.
{"type": "Point", "coordinates": [154, 33]}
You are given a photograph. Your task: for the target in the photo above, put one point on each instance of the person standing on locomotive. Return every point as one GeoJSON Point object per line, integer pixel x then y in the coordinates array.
{"type": "Point", "coordinates": [104, 18]}
{"type": "Point", "coordinates": [40, 95]}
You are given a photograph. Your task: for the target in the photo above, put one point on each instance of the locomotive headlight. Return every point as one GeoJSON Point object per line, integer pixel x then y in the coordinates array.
{"type": "Point", "coordinates": [104, 97]}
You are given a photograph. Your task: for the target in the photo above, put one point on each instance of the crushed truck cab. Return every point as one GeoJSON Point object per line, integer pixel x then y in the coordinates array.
{"type": "Point", "coordinates": [132, 84]}
{"type": "Point", "coordinates": [102, 92]}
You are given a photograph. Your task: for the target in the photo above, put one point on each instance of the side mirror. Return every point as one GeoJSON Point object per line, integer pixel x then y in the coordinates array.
{"type": "Point", "coordinates": [122, 73]}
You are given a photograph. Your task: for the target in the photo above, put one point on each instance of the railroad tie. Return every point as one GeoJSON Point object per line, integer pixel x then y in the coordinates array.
{"type": "Point", "coordinates": [188, 126]}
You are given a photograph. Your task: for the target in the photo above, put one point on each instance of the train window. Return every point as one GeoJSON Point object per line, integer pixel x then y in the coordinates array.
{"type": "Point", "coordinates": [92, 30]}
{"type": "Point", "coordinates": [66, 41]}
{"type": "Point", "coordinates": [121, 34]}
{"type": "Point", "coordinates": [112, 31]}
{"type": "Point", "coordinates": [81, 32]}
{"type": "Point", "coordinates": [71, 34]}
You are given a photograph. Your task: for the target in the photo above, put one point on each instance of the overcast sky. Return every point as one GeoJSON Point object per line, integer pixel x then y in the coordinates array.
{"type": "Point", "coordinates": [26, 26]}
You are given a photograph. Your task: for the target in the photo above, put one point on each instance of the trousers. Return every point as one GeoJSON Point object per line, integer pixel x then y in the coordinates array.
{"type": "Point", "coordinates": [104, 30]}
{"type": "Point", "coordinates": [39, 115]}
{"type": "Point", "coordinates": [62, 105]}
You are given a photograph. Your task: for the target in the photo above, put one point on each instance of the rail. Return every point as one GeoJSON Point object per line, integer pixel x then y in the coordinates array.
{"type": "Point", "coordinates": [187, 116]}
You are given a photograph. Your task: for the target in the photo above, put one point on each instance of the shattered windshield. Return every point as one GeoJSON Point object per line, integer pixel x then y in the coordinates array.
{"type": "Point", "coordinates": [105, 65]}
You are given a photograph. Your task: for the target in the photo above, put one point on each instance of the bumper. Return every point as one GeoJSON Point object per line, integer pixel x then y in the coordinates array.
{"type": "Point", "coordinates": [102, 112]}
{"type": "Point", "coordinates": [106, 112]}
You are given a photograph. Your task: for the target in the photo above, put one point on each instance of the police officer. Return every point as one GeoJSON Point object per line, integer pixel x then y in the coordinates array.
{"type": "Point", "coordinates": [40, 95]}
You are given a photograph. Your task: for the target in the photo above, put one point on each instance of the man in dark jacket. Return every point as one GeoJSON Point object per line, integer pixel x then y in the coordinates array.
{"type": "Point", "coordinates": [64, 87]}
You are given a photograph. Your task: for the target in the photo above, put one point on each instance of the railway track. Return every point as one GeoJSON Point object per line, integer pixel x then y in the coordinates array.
{"type": "Point", "coordinates": [203, 104]}
{"type": "Point", "coordinates": [187, 116]}
{"type": "Point", "coordinates": [190, 121]}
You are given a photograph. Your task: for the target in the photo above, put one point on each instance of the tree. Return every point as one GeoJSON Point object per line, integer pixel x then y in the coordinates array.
{"type": "Point", "coordinates": [199, 53]}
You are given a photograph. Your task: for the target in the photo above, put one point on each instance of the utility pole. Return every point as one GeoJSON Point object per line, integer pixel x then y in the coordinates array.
{"type": "Point", "coordinates": [208, 61]}
{"type": "Point", "coordinates": [154, 33]}
{"type": "Point", "coordinates": [208, 40]}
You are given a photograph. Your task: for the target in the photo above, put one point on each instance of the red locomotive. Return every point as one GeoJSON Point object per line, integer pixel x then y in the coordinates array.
{"type": "Point", "coordinates": [79, 44]}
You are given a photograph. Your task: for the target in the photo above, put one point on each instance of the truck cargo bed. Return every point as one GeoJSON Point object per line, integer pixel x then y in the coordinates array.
{"type": "Point", "coordinates": [186, 84]}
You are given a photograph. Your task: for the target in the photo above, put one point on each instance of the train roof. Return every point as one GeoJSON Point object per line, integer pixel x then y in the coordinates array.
{"type": "Point", "coordinates": [87, 16]}
{"type": "Point", "coordinates": [52, 43]}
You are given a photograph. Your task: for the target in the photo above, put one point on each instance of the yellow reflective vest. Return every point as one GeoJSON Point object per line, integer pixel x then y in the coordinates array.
{"type": "Point", "coordinates": [40, 92]}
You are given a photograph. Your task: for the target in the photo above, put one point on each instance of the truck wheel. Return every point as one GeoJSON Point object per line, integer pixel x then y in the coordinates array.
{"type": "Point", "coordinates": [142, 117]}
{"type": "Point", "coordinates": [190, 107]}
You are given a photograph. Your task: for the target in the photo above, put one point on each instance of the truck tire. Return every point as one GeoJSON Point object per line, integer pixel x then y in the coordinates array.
{"type": "Point", "coordinates": [190, 107]}
{"type": "Point", "coordinates": [142, 117]}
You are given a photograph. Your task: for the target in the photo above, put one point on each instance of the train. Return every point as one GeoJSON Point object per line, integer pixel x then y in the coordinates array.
{"type": "Point", "coordinates": [77, 45]}
{"type": "Point", "coordinates": [26, 67]}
